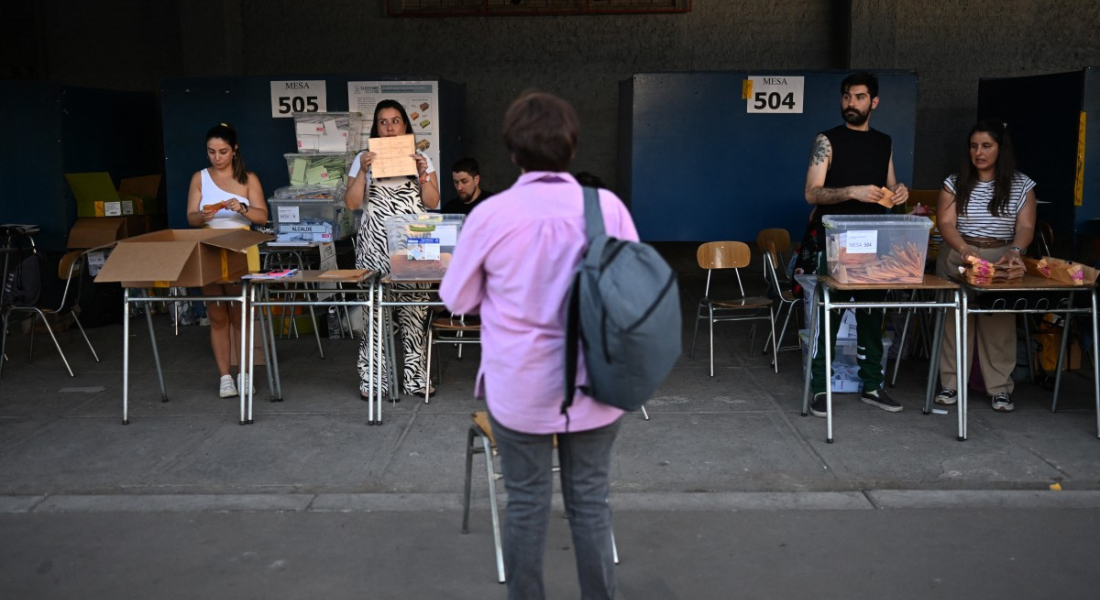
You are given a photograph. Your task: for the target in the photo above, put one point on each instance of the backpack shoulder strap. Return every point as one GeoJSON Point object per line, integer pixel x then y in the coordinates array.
{"type": "Point", "coordinates": [572, 338]}
{"type": "Point", "coordinates": [593, 216]}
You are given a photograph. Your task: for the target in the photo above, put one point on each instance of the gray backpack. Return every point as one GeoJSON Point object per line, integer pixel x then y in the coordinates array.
{"type": "Point", "coordinates": [625, 305]}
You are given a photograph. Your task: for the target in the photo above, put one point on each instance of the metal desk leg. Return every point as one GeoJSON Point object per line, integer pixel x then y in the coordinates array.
{"type": "Point", "coordinates": [244, 394]}
{"type": "Point", "coordinates": [249, 310]}
{"type": "Point", "coordinates": [1095, 360]}
{"type": "Point", "coordinates": [962, 358]}
{"type": "Point", "coordinates": [807, 369]}
{"type": "Point", "coordinates": [827, 332]}
{"type": "Point", "coordinates": [275, 376]}
{"type": "Point", "coordinates": [156, 355]}
{"type": "Point", "coordinates": [378, 343]}
{"type": "Point", "coordinates": [933, 359]}
{"type": "Point", "coordinates": [277, 391]}
{"type": "Point", "coordinates": [901, 346]}
{"type": "Point", "coordinates": [372, 299]}
{"type": "Point", "coordinates": [313, 317]}
{"type": "Point", "coordinates": [125, 356]}
{"type": "Point", "coordinates": [1068, 318]}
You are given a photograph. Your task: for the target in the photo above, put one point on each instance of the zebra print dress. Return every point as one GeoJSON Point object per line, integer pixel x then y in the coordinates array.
{"type": "Point", "coordinates": [388, 197]}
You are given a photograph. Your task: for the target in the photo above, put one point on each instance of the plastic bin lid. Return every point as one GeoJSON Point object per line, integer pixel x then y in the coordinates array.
{"type": "Point", "coordinates": [877, 221]}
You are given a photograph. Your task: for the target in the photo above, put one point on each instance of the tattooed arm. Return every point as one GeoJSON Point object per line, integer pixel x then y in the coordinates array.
{"type": "Point", "coordinates": [821, 157]}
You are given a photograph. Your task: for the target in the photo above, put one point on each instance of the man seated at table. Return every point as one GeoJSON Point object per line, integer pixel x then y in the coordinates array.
{"type": "Point", "coordinates": [466, 175]}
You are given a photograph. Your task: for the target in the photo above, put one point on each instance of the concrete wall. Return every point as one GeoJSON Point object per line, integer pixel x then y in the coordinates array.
{"type": "Point", "coordinates": [133, 44]}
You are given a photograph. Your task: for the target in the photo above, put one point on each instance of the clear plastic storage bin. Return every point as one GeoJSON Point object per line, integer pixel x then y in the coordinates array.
{"type": "Point", "coordinates": [328, 131]}
{"type": "Point", "coordinates": [323, 168]}
{"type": "Point", "coordinates": [420, 246]}
{"type": "Point", "coordinates": [312, 214]}
{"type": "Point", "coordinates": [877, 249]}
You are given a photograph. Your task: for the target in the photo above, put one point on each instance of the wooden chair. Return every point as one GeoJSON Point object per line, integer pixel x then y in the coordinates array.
{"type": "Point", "coordinates": [714, 256]}
{"type": "Point", "coordinates": [448, 330]}
{"type": "Point", "coordinates": [480, 440]}
{"type": "Point", "coordinates": [780, 240]}
{"type": "Point", "coordinates": [70, 270]}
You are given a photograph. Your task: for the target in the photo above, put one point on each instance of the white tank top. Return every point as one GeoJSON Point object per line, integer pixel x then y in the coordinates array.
{"type": "Point", "coordinates": [224, 218]}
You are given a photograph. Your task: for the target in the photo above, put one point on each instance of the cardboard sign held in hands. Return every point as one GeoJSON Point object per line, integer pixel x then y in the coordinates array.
{"type": "Point", "coordinates": [393, 156]}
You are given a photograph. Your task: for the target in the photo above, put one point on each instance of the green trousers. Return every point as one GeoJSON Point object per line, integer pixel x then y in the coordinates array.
{"type": "Point", "coordinates": [868, 337]}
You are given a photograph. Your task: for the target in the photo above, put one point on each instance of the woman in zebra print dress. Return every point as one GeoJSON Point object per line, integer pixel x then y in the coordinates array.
{"type": "Point", "coordinates": [386, 197]}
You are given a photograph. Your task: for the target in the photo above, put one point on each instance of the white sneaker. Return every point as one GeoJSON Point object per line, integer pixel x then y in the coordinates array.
{"type": "Point", "coordinates": [228, 388]}
{"type": "Point", "coordinates": [240, 383]}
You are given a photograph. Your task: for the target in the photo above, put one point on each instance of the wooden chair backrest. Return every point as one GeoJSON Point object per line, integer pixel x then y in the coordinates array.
{"type": "Point", "coordinates": [723, 255]}
{"type": "Point", "coordinates": [776, 236]}
{"type": "Point", "coordinates": [65, 268]}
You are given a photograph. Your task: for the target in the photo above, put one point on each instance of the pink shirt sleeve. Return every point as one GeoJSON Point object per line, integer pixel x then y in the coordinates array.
{"type": "Point", "coordinates": [463, 286]}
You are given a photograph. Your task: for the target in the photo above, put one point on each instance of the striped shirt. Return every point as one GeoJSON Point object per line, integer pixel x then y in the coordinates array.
{"type": "Point", "coordinates": [978, 221]}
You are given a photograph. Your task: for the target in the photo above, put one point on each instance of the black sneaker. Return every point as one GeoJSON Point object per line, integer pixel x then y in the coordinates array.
{"type": "Point", "coordinates": [1003, 403]}
{"type": "Point", "coordinates": [817, 406]}
{"type": "Point", "coordinates": [880, 399]}
{"type": "Point", "coordinates": [947, 397]}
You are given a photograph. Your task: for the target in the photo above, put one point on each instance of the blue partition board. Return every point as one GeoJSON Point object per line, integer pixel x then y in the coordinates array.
{"type": "Point", "coordinates": [65, 129]}
{"type": "Point", "coordinates": [191, 106]}
{"type": "Point", "coordinates": [702, 168]}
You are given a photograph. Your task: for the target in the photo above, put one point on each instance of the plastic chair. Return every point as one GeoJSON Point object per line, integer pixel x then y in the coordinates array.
{"type": "Point", "coordinates": [714, 256]}
{"type": "Point", "coordinates": [448, 330]}
{"type": "Point", "coordinates": [480, 440]}
{"type": "Point", "coordinates": [71, 268]}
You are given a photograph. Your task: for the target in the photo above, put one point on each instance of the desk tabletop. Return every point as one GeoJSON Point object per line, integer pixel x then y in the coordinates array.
{"type": "Point", "coordinates": [1029, 283]}
{"type": "Point", "coordinates": [388, 280]}
{"type": "Point", "coordinates": [931, 282]}
{"type": "Point", "coordinates": [330, 276]}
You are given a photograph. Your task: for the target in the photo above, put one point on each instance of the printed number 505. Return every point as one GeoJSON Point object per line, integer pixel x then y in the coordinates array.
{"type": "Point", "coordinates": [289, 104]}
{"type": "Point", "coordinates": [773, 100]}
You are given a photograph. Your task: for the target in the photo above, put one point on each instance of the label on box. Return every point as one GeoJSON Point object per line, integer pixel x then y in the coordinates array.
{"type": "Point", "coordinates": [288, 214]}
{"type": "Point", "coordinates": [447, 234]}
{"type": "Point", "coordinates": [418, 248]}
{"type": "Point", "coordinates": [862, 242]}
{"type": "Point", "coordinates": [127, 207]}
{"type": "Point", "coordinates": [112, 209]}
{"type": "Point", "coordinates": [96, 258]}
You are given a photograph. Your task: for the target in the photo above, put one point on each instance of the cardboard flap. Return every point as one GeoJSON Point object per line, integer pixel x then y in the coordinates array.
{"type": "Point", "coordinates": [140, 187]}
{"type": "Point", "coordinates": [92, 232]}
{"type": "Point", "coordinates": [150, 261]}
{"type": "Point", "coordinates": [92, 187]}
{"type": "Point", "coordinates": [238, 240]}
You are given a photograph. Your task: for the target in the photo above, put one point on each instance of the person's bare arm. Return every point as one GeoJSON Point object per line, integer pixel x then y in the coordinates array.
{"type": "Point", "coordinates": [821, 156]}
{"type": "Point", "coordinates": [1025, 230]}
{"type": "Point", "coordinates": [357, 186]}
{"type": "Point", "coordinates": [196, 217]}
{"type": "Point", "coordinates": [901, 193]}
{"type": "Point", "coordinates": [256, 211]}
{"type": "Point", "coordinates": [947, 222]}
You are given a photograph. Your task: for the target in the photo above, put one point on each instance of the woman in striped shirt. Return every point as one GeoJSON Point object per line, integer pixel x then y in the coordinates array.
{"type": "Point", "coordinates": [987, 210]}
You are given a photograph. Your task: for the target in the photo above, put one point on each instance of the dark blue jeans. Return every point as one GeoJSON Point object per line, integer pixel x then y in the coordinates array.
{"type": "Point", "coordinates": [526, 461]}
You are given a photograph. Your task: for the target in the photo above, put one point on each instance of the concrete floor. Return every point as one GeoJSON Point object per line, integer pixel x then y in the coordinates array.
{"type": "Point", "coordinates": [727, 491]}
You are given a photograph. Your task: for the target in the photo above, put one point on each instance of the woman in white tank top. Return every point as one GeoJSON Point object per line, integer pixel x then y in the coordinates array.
{"type": "Point", "coordinates": [224, 196]}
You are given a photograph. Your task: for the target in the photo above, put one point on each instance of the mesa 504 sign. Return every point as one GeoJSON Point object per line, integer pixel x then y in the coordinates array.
{"type": "Point", "coordinates": [773, 93]}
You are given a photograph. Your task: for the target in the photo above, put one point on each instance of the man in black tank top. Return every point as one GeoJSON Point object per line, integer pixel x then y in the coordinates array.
{"type": "Point", "coordinates": [849, 166]}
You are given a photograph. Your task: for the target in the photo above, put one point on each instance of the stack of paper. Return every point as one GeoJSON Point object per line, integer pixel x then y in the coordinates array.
{"type": "Point", "coordinates": [979, 271]}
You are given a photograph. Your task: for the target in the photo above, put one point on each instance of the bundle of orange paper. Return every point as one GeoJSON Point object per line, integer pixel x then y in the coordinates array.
{"type": "Point", "coordinates": [902, 264]}
{"type": "Point", "coordinates": [980, 271]}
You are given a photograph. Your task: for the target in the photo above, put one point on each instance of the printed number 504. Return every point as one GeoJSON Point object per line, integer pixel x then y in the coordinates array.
{"type": "Point", "coordinates": [288, 104]}
{"type": "Point", "coordinates": [773, 100]}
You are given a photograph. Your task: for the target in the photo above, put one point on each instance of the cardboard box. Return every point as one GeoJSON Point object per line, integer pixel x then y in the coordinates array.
{"type": "Point", "coordinates": [181, 258]}
{"type": "Point", "coordinates": [96, 195]}
{"type": "Point", "coordinates": [93, 233]}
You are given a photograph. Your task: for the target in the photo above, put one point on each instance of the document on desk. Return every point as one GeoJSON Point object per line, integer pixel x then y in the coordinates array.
{"type": "Point", "coordinates": [393, 156]}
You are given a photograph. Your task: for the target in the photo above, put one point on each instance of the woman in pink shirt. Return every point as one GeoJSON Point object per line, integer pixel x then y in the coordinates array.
{"type": "Point", "coordinates": [513, 264]}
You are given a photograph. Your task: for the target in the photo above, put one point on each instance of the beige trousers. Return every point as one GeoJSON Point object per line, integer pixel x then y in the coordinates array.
{"type": "Point", "coordinates": [994, 335]}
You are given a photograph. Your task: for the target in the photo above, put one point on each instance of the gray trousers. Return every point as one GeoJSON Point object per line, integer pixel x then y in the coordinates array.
{"type": "Point", "coordinates": [526, 462]}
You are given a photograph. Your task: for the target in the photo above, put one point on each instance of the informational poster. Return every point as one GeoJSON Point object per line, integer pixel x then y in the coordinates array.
{"type": "Point", "coordinates": [289, 97]}
{"type": "Point", "coordinates": [421, 101]}
{"type": "Point", "coordinates": [773, 93]}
